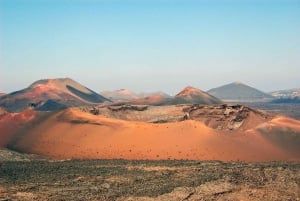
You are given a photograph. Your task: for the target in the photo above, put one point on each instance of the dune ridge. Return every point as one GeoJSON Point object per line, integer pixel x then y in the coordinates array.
{"type": "Point", "coordinates": [72, 133]}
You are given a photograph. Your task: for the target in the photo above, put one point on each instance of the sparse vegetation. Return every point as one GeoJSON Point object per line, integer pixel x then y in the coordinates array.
{"type": "Point", "coordinates": [121, 179]}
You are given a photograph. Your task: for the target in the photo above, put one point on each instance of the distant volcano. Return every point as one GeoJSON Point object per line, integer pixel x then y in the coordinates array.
{"type": "Point", "coordinates": [126, 94]}
{"type": "Point", "coordinates": [195, 96]}
{"type": "Point", "coordinates": [55, 93]}
{"type": "Point", "coordinates": [238, 91]}
{"type": "Point", "coordinates": [121, 94]}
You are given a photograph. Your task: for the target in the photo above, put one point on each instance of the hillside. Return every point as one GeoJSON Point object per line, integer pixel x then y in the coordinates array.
{"type": "Point", "coordinates": [237, 91]}
{"type": "Point", "coordinates": [255, 136]}
{"type": "Point", "coordinates": [51, 94]}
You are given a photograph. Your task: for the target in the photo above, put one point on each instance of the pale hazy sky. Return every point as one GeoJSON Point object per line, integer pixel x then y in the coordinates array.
{"type": "Point", "coordinates": [146, 45]}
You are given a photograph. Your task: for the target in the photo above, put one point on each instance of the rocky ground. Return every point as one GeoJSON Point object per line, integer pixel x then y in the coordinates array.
{"type": "Point", "coordinates": [219, 116]}
{"type": "Point", "coordinates": [39, 179]}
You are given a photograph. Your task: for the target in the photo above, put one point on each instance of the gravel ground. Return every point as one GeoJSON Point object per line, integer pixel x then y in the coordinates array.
{"type": "Point", "coordinates": [40, 179]}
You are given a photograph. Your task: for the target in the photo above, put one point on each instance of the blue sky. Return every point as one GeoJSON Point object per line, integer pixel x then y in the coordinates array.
{"type": "Point", "coordinates": [150, 45]}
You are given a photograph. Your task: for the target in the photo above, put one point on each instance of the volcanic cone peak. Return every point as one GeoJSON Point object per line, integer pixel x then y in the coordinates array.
{"type": "Point", "coordinates": [189, 91]}
{"type": "Point", "coordinates": [60, 84]}
{"type": "Point", "coordinates": [193, 95]}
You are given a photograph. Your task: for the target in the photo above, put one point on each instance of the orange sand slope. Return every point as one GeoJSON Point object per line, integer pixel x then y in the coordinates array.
{"type": "Point", "coordinates": [72, 133]}
{"type": "Point", "coordinates": [12, 122]}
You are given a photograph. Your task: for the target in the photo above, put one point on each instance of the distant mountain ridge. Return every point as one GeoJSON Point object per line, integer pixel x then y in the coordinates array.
{"type": "Point", "coordinates": [287, 93]}
{"type": "Point", "coordinates": [51, 94]}
{"type": "Point", "coordinates": [121, 94]}
{"type": "Point", "coordinates": [189, 95]}
{"type": "Point", "coordinates": [126, 94]}
{"type": "Point", "coordinates": [238, 91]}
{"type": "Point", "coordinates": [157, 93]}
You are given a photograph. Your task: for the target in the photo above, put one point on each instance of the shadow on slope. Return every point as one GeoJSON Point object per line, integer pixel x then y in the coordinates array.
{"type": "Point", "coordinates": [286, 138]}
{"type": "Point", "coordinates": [51, 105]}
{"type": "Point", "coordinates": [92, 97]}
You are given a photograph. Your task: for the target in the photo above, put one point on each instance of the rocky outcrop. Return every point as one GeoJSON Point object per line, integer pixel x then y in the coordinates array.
{"type": "Point", "coordinates": [3, 111]}
{"type": "Point", "coordinates": [226, 117]}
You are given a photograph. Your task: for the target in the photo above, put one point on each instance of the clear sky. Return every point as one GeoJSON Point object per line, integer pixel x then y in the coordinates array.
{"type": "Point", "coordinates": [150, 45]}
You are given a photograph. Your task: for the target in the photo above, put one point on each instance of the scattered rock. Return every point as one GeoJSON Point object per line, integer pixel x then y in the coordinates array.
{"type": "Point", "coordinates": [105, 185]}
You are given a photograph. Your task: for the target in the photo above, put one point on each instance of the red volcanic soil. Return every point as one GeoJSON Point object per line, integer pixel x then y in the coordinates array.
{"type": "Point", "coordinates": [72, 133]}
{"type": "Point", "coordinates": [10, 123]}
